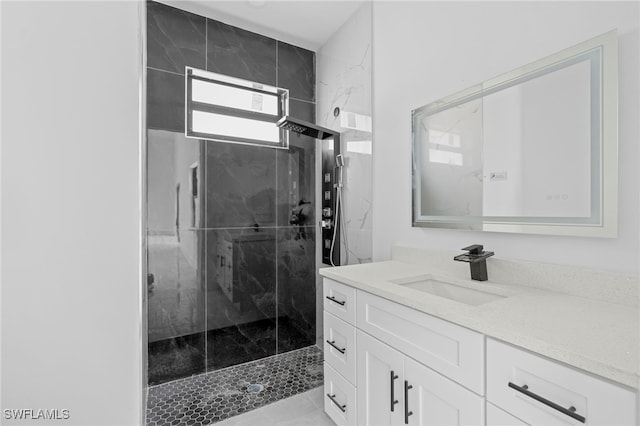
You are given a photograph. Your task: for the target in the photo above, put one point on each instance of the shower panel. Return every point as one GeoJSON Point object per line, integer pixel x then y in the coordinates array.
{"type": "Point", "coordinates": [331, 175]}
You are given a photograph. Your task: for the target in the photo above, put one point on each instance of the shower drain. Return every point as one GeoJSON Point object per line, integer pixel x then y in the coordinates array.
{"type": "Point", "coordinates": [255, 388]}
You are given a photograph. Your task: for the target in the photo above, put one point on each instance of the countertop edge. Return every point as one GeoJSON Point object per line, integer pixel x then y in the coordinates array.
{"type": "Point", "coordinates": [549, 350]}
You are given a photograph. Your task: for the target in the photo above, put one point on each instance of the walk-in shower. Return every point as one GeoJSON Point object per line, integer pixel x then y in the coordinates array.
{"type": "Point", "coordinates": [244, 204]}
{"type": "Point", "coordinates": [233, 222]}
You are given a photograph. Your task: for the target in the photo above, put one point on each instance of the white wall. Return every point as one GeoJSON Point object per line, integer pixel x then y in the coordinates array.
{"type": "Point", "coordinates": [71, 324]}
{"type": "Point", "coordinates": [424, 51]}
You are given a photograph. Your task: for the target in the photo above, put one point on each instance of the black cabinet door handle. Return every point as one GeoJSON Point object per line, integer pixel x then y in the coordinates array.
{"type": "Point", "coordinates": [342, 408]}
{"type": "Point", "coordinates": [394, 401]}
{"type": "Point", "coordinates": [333, 344]}
{"type": "Point", "coordinates": [571, 411]}
{"type": "Point", "coordinates": [339, 302]}
{"type": "Point", "coordinates": [407, 413]}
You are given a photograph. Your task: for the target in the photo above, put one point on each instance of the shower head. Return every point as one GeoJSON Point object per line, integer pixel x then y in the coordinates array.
{"type": "Point", "coordinates": [305, 128]}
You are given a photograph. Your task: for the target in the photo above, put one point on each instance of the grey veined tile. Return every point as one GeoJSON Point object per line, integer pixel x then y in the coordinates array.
{"type": "Point", "coordinates": [240, 185]}
{"type": "Point", "coordinates": [175, 38]}
{"type": "Point", "coordinates": [296, 287]}
{"type": "Point", "coordinates": [165, 101]}
{"type": "Point", "coordinates": [297, 71]}
{"type": "Point", "coordinates": [240, 53]}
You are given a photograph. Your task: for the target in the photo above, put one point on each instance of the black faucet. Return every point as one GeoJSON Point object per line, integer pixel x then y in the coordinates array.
{"type": "Point", "coordinates": [477, 261]}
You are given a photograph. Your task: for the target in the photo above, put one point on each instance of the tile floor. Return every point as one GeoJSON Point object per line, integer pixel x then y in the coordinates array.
{"type": "Point", "coordinates": [219, 395]}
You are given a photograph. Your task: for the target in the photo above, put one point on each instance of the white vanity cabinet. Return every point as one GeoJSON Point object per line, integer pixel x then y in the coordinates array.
{"type": "Point", "coordinates": [387, 364]}
{"type": "Point", "coordinates": [406, 364]}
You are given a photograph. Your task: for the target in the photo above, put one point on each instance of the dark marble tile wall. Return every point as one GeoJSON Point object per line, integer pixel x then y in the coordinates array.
{"type": "Point", "coordinates": [241, 185]}
{"type": "Point", "coordinates": [176, 300]}
{"type": "Point", "coordinates": [165, 100]}
{"type": "Point", "coordinates": [175, 38]}
{"type": "Point", "coordinates": [176, 357]}
{"type": "Point", "coordinates": [249, 289]}
{"type": "Point", "coordinates": [296, 287]}
{"type": "Point", "coordinates": [296, 71]}
{"type": "Point", "coordinates": [240, 53]}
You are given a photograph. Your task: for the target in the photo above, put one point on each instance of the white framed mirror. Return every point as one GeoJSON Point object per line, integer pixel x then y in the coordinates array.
{"type": "Point", "coordinates": [533, 151]}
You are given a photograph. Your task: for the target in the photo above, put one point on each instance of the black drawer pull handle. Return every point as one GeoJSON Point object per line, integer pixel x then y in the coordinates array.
{"type": "Point", "coordinates": [332, 343]}
{"type": "Point", "coordinates": [571, 411]}
{"type": "Point", "coordinates": [394, 401]}
{"type": "Point", "coordinates": [407, 413]}
{"type": "Point", "coordinates": [342, 408]}
{"type": "Point", "coordinates": [339, 302]}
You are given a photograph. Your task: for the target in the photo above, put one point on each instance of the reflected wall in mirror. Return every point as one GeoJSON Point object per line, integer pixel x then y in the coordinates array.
{"type": "Point", "coordinates": [530, 151]}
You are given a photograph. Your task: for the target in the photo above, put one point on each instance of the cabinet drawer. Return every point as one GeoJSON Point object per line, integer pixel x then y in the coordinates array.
{"type": "Point", "coordinates": [497, 417]}
{"type": "Point", "coordinates": [451, 350]}
{"type": "Point", "coordinates": [537, 390]}
{"type": "Point", "coordinates": [340, 346]}
{"type": "Point", "coordinates": [340, 300]}
{"type": "Point", "coordinates": [339, 397]}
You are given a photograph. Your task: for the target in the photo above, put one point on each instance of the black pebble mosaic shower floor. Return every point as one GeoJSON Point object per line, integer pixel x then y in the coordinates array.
{"type": "Point", "coordinates": [211, 397]}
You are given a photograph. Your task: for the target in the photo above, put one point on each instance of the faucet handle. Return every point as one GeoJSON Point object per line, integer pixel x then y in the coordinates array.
{"type": "Point", "coordinates": [474, 249]}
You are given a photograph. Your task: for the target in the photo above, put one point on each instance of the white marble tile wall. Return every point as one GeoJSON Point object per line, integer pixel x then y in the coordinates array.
{"type": "Point", "coordinates": [343, 80]}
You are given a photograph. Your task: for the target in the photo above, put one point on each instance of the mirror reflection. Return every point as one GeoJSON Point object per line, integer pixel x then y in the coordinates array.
{"type": "Point", "coordinates": [525, 148]}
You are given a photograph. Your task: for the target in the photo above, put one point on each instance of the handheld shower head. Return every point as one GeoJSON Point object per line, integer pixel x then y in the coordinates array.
{"type": "Point", "coordinates": [305, 128]}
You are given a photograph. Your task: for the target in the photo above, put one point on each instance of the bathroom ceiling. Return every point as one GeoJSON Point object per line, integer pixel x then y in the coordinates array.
{"type": "Point", "coordinates": [305, 23]}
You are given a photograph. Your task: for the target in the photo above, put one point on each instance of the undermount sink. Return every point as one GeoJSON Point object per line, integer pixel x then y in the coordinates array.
{"type": "Point", "coordinates": [449, 290]}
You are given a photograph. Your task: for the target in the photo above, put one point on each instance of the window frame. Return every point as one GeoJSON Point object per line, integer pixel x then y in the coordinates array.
{"type": "Point", "coordinates": [250, 86]}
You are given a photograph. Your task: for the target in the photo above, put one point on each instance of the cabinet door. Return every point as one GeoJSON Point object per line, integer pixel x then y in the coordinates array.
{"type": "Point", "coordinates": [379, 378]}
{"type": "Point", "coordinates": [435, 400]}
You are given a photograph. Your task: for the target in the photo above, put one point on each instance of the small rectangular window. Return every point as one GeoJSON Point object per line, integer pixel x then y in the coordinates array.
{"type": "Point", "coordinates": [228, 109]}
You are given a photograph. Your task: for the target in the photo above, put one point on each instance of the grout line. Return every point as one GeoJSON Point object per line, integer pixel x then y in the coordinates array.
{"type": "Point", "coordinates": [277, 282]}
{"type": "Point", "coordinates": [167, 71]}
{"type": "Point", "coordinates": [204, 220]}
{"type": "Point", "coordinates": [277, 263]}
{"type": "Point", "coordinates": [301, 100]}
{"type": "Point", "coordinates": [231, 228]}
{"type": "Point", "coordinates": [206, 44]}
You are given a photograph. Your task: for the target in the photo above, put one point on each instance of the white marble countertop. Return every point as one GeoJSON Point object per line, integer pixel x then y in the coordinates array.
{"type": "Point", "coordinates": [594, 335]}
